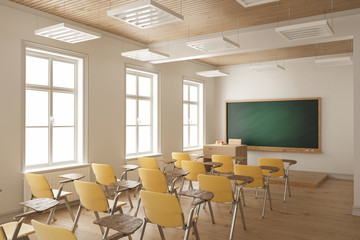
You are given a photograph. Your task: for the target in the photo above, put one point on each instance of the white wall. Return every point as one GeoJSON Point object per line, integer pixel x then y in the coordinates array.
{"type": "Point", "coordinates": [301, 79]}
{"type": "Point", "coordinates": [106, 98]}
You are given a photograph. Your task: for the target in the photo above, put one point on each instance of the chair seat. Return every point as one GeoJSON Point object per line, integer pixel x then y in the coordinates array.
{"type": "Point", "coordinates": [25, 229]}
{"type": "Point", "coordinates": [63, 193]}
{"type": "Point", "coordinates": [118, 204]}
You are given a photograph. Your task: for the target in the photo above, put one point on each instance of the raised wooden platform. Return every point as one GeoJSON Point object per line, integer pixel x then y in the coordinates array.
{"type": "Point", "coordinates": [303, 179]}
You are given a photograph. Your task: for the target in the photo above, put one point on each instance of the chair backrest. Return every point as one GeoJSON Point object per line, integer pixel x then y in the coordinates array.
{"type": "Point", "coordinates": [274, 162]}
{"type": "Point", "coordinates": [92, 197]}
{"type": "Point", "coordinates": [195, 168]}
{"type": "Point", "coordinates": [104, 174]}
{"type": "Point", "coordinates": [149, 163]}
{"type": "Point", "coordinates": [46, 232]}
{"type": "Point", "coordinates": [39, 186]}
{"type": "Point", "coordinates": [228, 164]}
{"type": "Point", "coordinates": [251, 171]}
{"type": "Point", "coordinates": [2, 234]}
{"type": "Point", "coordinates": [179, 156]}
{"type": "Point", "coordinates": [219, 185]}
{"type": "Point", "coordinates": [153, 180]}
{"type": "Point", "coordinates": [162, 209]}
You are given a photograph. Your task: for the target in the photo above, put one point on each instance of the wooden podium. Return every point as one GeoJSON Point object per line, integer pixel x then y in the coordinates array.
{"type": "Point", "coordinates": [238, 152]}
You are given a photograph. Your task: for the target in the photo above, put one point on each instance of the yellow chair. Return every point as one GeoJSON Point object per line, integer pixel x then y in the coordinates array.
{"type": "Point", "coordinates": [40, 188]}
{"type": "Point", "coordinates": [164, 210]}
{"type": "Point", "coordinates": [149, 163]}
{"type": "Point", "coordinates": [155, 181]}
{"type": "Point", "coordinates": [93, 198]}
{"type": "Point", "coordinates": [223, 193]}
{"type": "Point", "coordinates": [105, 176]}
{"type": "Point", "coordinates": [46, 232]}
{"type": "Point", "coordinates": [195, 168]}
{"type": "Point", "coordinates": [227, 161]}
{"type": "Point", "coordinates": [15, 230]}
{"type": "Point", "coordinates": [179, 157]}
{"type": "Point", "coordinates": [282, 173]}
{"type": "Point", "coordinates": [259, 182]}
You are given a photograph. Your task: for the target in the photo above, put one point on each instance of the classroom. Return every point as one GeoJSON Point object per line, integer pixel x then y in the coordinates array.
{"type": "Point", "coordinates": [145, 88]}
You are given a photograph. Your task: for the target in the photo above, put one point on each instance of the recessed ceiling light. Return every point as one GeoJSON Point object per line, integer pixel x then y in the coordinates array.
{"type": "Point", "coordinates": [67, 33]}
{"type": "Point", "coordinates": [266, 67]}
{"type": "Point", "coordinates": [145, 55]}
{"type": "Point", "coordinates": [212, 73]}
{"type": "Point", "coordinates": [306, 30]}
{"type": "Point", "coordinates": [333, 60]}
{"type": "Point", "coordinates": [213, 44]}
{"type": "Point", "coordinates": [250, 3]}
{"type": "Point", "coordinates": [145, 14]}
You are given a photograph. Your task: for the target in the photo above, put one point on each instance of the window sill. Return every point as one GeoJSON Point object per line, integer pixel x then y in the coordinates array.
{"type": "Point", "coordinates": [135, 157]}
{"type": "Point", "coordinates": [193, 149]}
{"type": "Point", "coordinates": [56, 168]}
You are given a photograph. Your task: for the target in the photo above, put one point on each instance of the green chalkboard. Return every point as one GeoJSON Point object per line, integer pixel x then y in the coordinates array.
{"type": "Point", "coordinates": [277, 124]}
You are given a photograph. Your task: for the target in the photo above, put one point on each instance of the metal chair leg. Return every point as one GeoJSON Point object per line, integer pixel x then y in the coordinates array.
{"type": "Point", "coordinates": [128, 195]}
{"type": "Point", "coordinates": [101, 227]}
{"type": "Point", "coordinates": [137, 207]}
{"type": "Point", "coordinates": [161, 232]}
{"type": "Point", "coordinates": [196, 231]}
{"type": "Point", "coordinates": [76, 218]}
{"type": "Point", "coordinates": [211, 212]}
{"type": "Point", "coordinates": [269, 197]}
{"type": "Point", "coordinates": [142, 229]}
{"type": "Point", "coordinates": [233, 222]}
{"type": "Point", "coordinates": [256, 193]}
{"type": "Point", "coordinates": [69, 208]}
{"type": "Point", "coordinates": [264, 204]}
{"type": "Point", "coordinates": [243, 196]}
{"type": "Point", "coordinates": [52, 211]}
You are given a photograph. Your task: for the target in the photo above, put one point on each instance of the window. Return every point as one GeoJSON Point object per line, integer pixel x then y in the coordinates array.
{"type": "Point", "coordinates": [192, 115]}
{"type": "Point", "coordinates": [54, 109]}
{"type": "Point", "coordinates": [141, 113]}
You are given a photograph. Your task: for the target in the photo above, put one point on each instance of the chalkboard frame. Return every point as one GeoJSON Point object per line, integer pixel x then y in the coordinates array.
{"type": "Point", "coordinates": [281, 149]}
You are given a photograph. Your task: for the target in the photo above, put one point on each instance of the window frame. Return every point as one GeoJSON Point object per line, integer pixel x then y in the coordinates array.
{"type": "Point", "coordinates": [80, 62]}
{"type": "Point", "coordinates": [200, 112]}
{"type": "Point", "coordinates": [154, 113]}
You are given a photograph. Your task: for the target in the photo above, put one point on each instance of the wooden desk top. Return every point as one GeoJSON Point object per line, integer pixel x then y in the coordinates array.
{"type": "Point", "coordinates": [167, 161]}
{"type": "Point", "coordinates": [213, 164]}
{"type": "Point", "coordinates": [177, 172]}
{"type": "Point", "coordinates": [122, 223]}
{"type": "Point", "coordinates": [245, 179]}
{"type": "Point", "coordinates": [129, 184]}
{"type": "Point", "coordinates": [197, 193]}
{"type": "Point", "coordinates": [71, 177]}
{"type": "Point", "coordinates": [129, 167]}
{"type": "Point", "coordinates": [271, 168]}
{"type": "Point", "coordinates": [290, 161]}
{"type": "Point", "coordinates": [40, 204]}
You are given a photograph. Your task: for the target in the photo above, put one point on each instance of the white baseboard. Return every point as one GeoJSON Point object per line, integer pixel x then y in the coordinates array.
{"type": "Point", "coordinates": [356, 211]}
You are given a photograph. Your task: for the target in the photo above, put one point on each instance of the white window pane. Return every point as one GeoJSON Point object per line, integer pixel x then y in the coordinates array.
{"type": "Point", "coordinates": [144, 86]}
{"type": "Point", "coordinates": [186, 113]}
{"type": "Point", "coordinates": [63, 109]}
{"type": "Point", "coordinates": [63, 144]}
{"type": "Point", "coordinates": [37, 108]}
{"type": "Point", "coordinates": [130, 140]}
{"type": "Point", "coordinates": [193, 114]}
{"type": "Point", "coordinates": [130, 84]}
{"type": "Point", "coordinates": [193, 94]}
{"type": "Point", "coordinates": [144, 112]}
{"type": "Point", "coordinates": [144, 139]}
{"type": "Point", "coordinates": [63, 74]}
{"type": "Point", "coordinates": [37, 148]}
{"type": "Point", "coordinates": [186, 136]}
{"type": "Point", "coordinates": [37, 71]}
{"type": "Point", "coordinates": [131, 112]}
{"type": "Point", "coordinates": [193, 136]}
{"type": "Point", "coordinates": [186, 92]}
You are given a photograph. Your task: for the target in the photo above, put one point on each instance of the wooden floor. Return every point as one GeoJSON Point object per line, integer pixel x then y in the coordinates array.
{"type": "Point", "coordinates": [311, 213]}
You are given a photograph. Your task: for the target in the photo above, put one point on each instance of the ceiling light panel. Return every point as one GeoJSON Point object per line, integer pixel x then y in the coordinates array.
{"type": "Point", "coordinates": [212, 73]}
{"type": "Point", "coordinates": [306, 30]}
{"type": "Point", "coordinates": [145, 55]}
{"type": "Point", "coordinates": [266, 67]}
{"type": "Point", "coordinates": [250, 3]}
{"type": "Point", "coordinates": [145, 14]}
{"type": "Point", "coordinates": [67, 33]}
{"type": "Point", "coordinates": [333, 61]}
{"type": "Point", "coordinates": [213, 44]}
